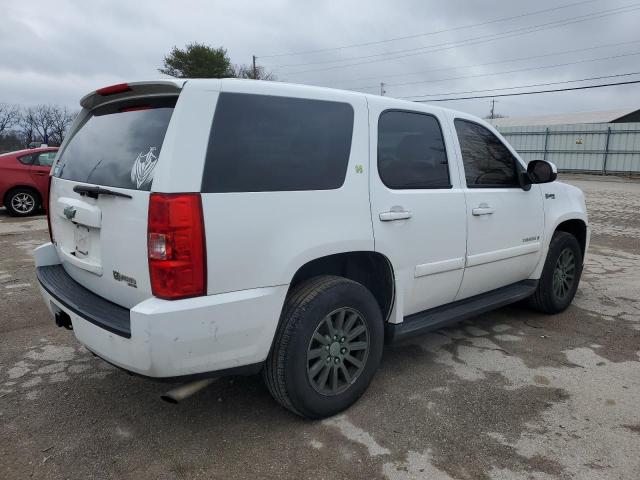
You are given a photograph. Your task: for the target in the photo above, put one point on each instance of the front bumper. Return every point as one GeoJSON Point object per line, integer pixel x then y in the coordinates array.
{"type": "Point", "coordinates": [167, 338]}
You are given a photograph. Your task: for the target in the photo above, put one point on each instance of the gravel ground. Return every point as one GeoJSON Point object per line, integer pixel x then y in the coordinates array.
{"type": "Point", "coordinates": [511, 395]}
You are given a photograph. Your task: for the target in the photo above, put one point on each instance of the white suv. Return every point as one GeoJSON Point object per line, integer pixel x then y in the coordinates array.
{"type": "Point", "coordinates": [208, 227]}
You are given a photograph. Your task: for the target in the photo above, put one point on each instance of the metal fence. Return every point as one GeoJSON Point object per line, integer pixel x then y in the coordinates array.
{"type": "Point", "coordinates": [595, 148]}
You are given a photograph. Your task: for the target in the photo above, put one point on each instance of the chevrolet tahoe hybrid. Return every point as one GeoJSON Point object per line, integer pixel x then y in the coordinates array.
{"type": "Point", "coordinates": [210, 227]}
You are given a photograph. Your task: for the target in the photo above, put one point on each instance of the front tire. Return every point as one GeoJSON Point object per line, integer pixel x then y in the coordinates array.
{"type": "Point", "coordinates": [560, 275]}
{"type": "Point", "coordinates": [327, 347]}
{"type": "Point", "coordinates": [22, 202]}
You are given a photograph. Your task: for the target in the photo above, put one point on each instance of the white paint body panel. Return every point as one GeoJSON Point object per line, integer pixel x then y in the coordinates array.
{"type": "Point", "coordinates": [185, 337]}
{"type": "Point", "coordinates": [118, 240]}
{"type": "Point", "coordinates": [261, 239]}
{"type": "Point", "coordinates": [497, 254]}
{"type": "Point", "coordinates": [565, 202]}
{"type": "Point", "coordinates": [503, 247]}
{"type": "Point", "coordinates": [427, 250]}
{"type": "Point", "coordinates": [257, 241]}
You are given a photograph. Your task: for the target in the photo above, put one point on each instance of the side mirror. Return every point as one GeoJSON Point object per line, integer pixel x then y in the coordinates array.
{"type": "Point", "coordinates": [541, 171]}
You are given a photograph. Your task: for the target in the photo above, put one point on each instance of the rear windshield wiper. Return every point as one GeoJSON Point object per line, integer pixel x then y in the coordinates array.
{"type": "Point", "coordinates": [93, 192]}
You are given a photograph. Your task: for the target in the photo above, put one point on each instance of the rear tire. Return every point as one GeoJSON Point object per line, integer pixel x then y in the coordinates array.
{"type": "Point", "coordinates": [327, 347]}
{"type": "Point", "coordinates": [22, 202]}
{"type": "Point", "coordinates": [560, 275]}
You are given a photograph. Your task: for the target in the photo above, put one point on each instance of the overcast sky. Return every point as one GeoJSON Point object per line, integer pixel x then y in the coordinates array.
{"type": "Point", "coordinates": [55, 52]}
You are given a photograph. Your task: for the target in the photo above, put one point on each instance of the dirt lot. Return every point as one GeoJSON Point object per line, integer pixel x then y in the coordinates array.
{"type": "Point", "coordinates": [511, 395]}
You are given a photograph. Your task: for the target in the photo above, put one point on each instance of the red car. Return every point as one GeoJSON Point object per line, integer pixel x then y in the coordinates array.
{"type": "Point", "coordinates": [24, 178]}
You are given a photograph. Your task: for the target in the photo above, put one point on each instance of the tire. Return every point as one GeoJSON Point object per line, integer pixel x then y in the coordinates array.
{"type": "Point", "coordinates": [292, 372]}
{"type": "Point", "coordinates": [22, 202]}
{"type": "Point", "coordinates": [556, 289]}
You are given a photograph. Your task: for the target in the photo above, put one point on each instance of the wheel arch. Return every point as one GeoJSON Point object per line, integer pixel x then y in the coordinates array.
{"type": "Point", "coordinates": [574, 223]}
{"type": "Point", "coordinates": [576, 227]}
{"type": "Point", "coordinates": [371, 269]}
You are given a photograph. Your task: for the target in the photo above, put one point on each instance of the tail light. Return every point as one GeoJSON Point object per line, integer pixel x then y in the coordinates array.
{"type": "Point", "coordinates": [176, 245]}
{"type": "Point", "coordinates": [47, 206]}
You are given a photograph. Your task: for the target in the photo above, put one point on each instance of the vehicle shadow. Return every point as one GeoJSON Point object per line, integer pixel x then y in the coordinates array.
{"type": "Point", "coordinates": [5, 217]}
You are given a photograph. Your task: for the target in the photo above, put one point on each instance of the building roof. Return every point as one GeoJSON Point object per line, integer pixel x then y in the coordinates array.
{"type": "Point", "coordinates": [606, 116]}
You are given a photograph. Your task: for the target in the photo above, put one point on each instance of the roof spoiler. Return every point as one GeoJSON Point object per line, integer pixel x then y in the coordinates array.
{"type": "Point", "coordinates": [123, 91]}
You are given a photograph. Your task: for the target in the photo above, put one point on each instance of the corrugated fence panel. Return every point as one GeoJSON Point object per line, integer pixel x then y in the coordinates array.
{"type": "Point", "coordinates": [628, 145]}
{"type": "Point", "coordinates": [580, 147]}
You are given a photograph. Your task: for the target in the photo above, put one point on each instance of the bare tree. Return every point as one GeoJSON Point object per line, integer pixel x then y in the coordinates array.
{"type": "Point", "coordinates": [45, 122]}
{"type": "Point", "coordinates": [36, 123]}
{"type": "Point", "coordinates": [25, 129]}
{"type": "Point", "coordinates": [42, 119]}
{"type": "Point", "coordinates": [9, 116]}
{"type": "Point", "coordinates": [61, 119]}
{"type": "Point", "coordinates": [247, 71]}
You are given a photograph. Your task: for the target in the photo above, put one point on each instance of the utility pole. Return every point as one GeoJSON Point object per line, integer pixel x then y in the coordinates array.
{"type": "Point", "coordinates": [492, 115]}
{"type": "Point", "coordinates": [382, 90]}
{"type": "Point", "coordinates": [255, 70]}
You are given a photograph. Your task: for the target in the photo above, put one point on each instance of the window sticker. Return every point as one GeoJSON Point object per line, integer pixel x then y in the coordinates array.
{"type": "Point", "coordinates": [142, 170]}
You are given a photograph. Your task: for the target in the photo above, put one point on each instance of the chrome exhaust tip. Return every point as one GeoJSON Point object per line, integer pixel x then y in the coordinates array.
{"type": "Point", "coordinates": [176, 395]}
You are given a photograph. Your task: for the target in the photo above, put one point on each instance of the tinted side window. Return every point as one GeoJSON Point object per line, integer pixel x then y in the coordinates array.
{"type": "Point", "coordinates": [262, 143]}
{"type": "Point", "coordinates": [411, 151]}
{"type": "Point", "coordinates": [487, 162]}
{"type": "Point", "coordinates": [26, 159]}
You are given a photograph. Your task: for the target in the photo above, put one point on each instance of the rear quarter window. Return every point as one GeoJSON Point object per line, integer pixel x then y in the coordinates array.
{"type": "Point", "coordinates": [262, 143]}
{"type": "Point", "coordinates": [26, 159]}
{"type": "Point", "coordinates": [117, 146]}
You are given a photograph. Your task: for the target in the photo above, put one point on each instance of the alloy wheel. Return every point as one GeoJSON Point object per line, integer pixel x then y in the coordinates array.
{"type": "Point", "coordinates": [23, 203]}
{"type": "Point", "coordinates": [337, 352]}
{"type": "Point", "coordinates": [564, 273]}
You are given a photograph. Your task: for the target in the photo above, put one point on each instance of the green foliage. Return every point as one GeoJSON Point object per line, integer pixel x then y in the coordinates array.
{"type": "Point", "coordinates": [198, 60]}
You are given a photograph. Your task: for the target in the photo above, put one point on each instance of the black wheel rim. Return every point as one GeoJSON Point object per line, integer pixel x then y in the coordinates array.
{"type": "Point", "coordinates": [337, 352]}
{"type": "Point", "coordinates": [564, 273]}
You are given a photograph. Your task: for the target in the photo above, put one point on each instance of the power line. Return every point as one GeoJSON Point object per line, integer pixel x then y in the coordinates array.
{"type": "Point", "coordinates": [587, 16]}
{"type": "Point", "coordinates": [476, 40]}
{"type": "Point", "coordinates": [527, 69]}
{"type": "Point", "coordinates": [529, 57]}
{"type": "Point", "coordinates": [524, 86]}
{"type": "Point", "coordinates": [417, 35]}
{"type": "Point", "coordinates": [532, 93]}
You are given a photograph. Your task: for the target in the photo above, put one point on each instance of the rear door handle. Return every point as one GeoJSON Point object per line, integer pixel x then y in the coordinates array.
{"type": "Point", "coordinates": [394, 215]}
{"type": "Point", "coordinates": [482, 209]}
{"type": "Point", "coordinates": [41, 173]}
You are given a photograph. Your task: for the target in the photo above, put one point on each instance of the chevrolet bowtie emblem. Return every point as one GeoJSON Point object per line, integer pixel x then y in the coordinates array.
{"type": "Point", "coordinates": [69, 212]}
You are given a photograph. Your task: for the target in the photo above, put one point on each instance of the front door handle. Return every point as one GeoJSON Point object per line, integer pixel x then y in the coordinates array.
{"type": "Point", "coordinates": [482, 209]}
{"type": "Point", "coordinates": [394, 215]}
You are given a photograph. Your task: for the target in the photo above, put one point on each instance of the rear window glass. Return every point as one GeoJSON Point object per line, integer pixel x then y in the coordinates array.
{"type": "Point", "coordinates": [411, 151]}
{"type": "Point", "coordinates": [262, 143]}
{"type": "Point", "coordinates": [117, 146]}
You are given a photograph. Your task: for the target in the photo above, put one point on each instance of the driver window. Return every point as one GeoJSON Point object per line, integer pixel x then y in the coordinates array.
{"type": "Point", "coordinates": [487, 162]}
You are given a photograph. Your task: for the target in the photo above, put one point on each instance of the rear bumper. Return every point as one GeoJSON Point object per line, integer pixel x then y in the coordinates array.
{"type": "Point", "coordinates": [66, 291]}
{"type": "Point", "coordinates": [167, 338]}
